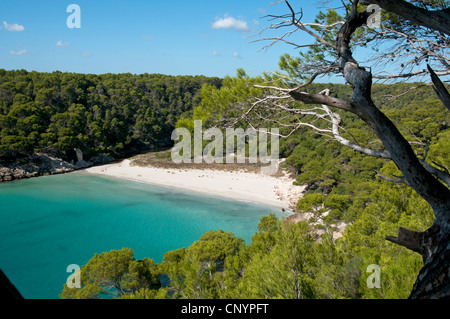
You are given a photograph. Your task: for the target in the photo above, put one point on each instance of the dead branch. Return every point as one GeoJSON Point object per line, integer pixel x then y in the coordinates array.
{"type": "Point", "coordinates": [440, 88]}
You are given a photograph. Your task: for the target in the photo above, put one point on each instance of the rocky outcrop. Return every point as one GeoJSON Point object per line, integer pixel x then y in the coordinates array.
{"type": "Point", "coordinates": [317, 224]}
{"type": "Point", "coordinates": [41, 164]}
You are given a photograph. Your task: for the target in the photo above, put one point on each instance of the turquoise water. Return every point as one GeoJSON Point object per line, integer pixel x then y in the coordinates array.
{"type": "Point", "coordinates": [48, 223]}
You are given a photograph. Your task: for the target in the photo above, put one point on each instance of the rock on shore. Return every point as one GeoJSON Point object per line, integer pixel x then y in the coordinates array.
{"type": "Point", "coordinates": [41, 164]}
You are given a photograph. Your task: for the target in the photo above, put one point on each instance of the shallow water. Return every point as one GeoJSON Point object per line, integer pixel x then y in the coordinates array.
{"type": "Point", "coordinates": [48, 223]}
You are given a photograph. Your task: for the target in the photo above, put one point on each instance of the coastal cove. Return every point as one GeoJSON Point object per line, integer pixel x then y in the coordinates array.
{"type": "Point", "coordinates": [51, 222]}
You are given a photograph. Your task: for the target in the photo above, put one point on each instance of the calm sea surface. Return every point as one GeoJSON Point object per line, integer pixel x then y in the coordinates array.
{"type": "Point", "coordinates": [48, 223]}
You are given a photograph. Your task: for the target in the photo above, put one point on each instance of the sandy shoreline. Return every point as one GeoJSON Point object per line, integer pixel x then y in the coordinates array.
{"type": "Point", "coordinates": [245, 186]}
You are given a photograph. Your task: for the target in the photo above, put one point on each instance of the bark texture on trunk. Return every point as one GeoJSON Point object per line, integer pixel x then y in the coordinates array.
{"type": "Point", "coordinates": [433, 281]}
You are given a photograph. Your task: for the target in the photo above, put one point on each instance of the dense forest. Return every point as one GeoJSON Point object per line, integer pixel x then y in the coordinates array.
{"type": "Point", "coordinates": [300, 260]}
{"type": "Point", "coordinates": [114, 114]}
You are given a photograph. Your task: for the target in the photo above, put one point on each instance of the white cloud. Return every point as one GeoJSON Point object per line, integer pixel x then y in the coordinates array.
{"type": "Point", "coordinates": [215, 53]}
{"type": "Point", "coordinates": [62, 44]}
{"type": "Point", "coordinates": [86, 54]}
{"type": "Point", "coordinates": [18, 52]}
{"type": "Point", "coordinates": [13, 27]}
{"type": "Point", "coordinates": [231, 23]}
{"type": "Point", "coordinates": [236, 55]}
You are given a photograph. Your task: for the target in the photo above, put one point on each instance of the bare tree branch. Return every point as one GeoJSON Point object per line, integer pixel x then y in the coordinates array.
{"type": "Point", "coordinates": [440, 89]}
{"type": "Point", "coordinates": [302, 27]}
{"type": "Point", "coordinates": [322, 99]}
{"type": "Point", "coordinates": [393, 180]}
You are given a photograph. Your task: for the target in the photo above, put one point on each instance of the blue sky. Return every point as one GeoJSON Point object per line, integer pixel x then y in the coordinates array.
{"type": "Point", "coordinates": [177, 37]}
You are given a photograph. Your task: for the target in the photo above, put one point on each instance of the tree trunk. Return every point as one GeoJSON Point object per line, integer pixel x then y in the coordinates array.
{"type": "Point", "coordinates": [433, 244]}
{"type": "Point", "coordinates": [433, 281]}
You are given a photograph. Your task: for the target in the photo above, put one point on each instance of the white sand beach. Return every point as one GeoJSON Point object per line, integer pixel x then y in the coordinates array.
{"type": "Point", "coordinates": [252, 187]}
